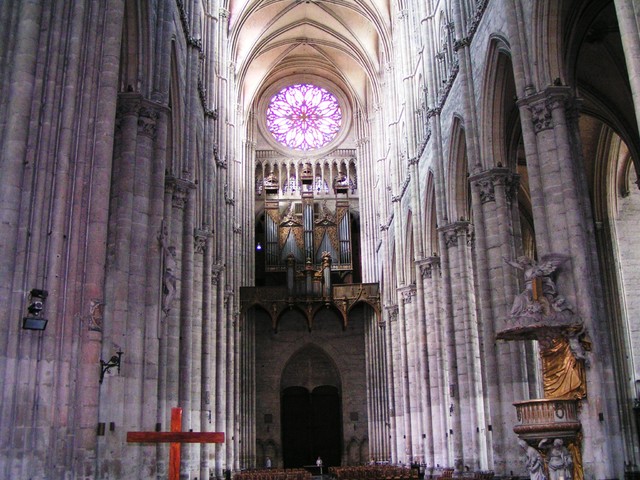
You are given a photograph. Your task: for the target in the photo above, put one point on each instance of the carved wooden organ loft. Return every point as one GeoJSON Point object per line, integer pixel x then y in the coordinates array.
{"type": "Point", "coordinates": [307, 232]}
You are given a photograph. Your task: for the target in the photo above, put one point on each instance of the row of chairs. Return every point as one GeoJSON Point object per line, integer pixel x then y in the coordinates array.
{"type": "Point", "coordinates": [378, 472]}
{"type": "Point", "coordinates": [447, 473]}
{"type": "Point", "coordinates": [273, 474]}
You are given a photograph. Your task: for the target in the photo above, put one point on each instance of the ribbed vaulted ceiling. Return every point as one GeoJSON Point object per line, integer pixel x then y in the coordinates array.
{"type": "Point", "coordinates": [343, 41]}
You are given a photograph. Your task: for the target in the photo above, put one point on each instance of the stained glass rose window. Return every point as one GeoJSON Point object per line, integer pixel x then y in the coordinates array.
{"type": "Point", "coordinates": [304, 117]}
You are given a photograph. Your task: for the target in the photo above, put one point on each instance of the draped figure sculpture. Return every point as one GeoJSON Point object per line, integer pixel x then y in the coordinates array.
{"type": "Point", "coordinates": [169, 277]}
{"type": "Point", "coordinates": [533, 461]}
{"type": "Point", "coordinates": [559, 460]}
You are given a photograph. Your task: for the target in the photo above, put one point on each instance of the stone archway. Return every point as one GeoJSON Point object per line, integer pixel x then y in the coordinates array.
{"type": "Point", "coordinates": [311, 411]}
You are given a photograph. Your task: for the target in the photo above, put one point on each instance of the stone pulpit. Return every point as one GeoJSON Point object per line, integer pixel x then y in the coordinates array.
{"type": "Point", "coordinates": [549, 430]}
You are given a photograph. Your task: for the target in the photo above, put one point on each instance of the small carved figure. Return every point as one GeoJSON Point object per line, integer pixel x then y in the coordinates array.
{"type": "Point", "coordinates": [559, 460]}
{"type": "Point", "coordinates": [326, 272]}
{"type": "Point", "coordinates": [271, 180]}
{"type": "Point", "coordinates": [326, 260]}
{"type": "Point", "coordinates": [540, 296]}
{"type": "Point", "coordinates": [96, 311]}
{"type": "Point", "coordinates": [289, 214]}
{"type": "Point", "coordinates": [169, 278]}
{"type": "Point", "coordinates": [341, 181]}
{"type": "Point", "coordinates": [534, 461]}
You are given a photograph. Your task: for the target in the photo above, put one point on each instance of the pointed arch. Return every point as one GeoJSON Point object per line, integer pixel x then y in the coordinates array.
{"type": "Point", "coordinates": [547, 42]}
{"type": "Point", "coordinates": [410, 256]}
{"type": "Point", "coordinates": [430, 217]}
{"type": "Point", "coordinates": [135, 50]}
{"type": "Point", "coordinates": [310, 366]}
{"type": "Point", "coordinates": [174, 129]}
{"type": "Point", "coordinates": [458, 173]}
{"type": "Point", "coordinates": [500, 114]}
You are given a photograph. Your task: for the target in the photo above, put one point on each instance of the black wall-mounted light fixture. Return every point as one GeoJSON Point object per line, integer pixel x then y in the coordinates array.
{"type": "Point", "coordinates": [35, 318]}
{"type": "Point", "coordinates": [258, 246]}
{"type": "Point", "coordinates": [114, 361]}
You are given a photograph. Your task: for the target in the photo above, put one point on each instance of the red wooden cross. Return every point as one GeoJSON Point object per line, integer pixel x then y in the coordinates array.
{"type": "Point", "coordinates": [175, 437]}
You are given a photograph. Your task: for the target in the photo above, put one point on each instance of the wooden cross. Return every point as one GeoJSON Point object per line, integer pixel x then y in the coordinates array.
{"type": "Point", "coordinates": [175, 437]}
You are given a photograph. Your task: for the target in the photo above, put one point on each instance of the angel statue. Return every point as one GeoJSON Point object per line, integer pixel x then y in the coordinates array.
{"type": "Point", "coordinates": [540, 296]}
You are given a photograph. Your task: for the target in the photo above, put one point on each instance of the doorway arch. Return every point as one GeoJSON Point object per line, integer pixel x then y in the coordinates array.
{"type": "Point", "coordinates": [311, 409]}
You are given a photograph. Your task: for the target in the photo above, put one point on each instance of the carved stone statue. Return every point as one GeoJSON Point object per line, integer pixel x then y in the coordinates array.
{"type": "Point", "coordinates": [271, 180]}
{"type": "Point", "coordinates": [169, 277]}
{"type": "Point", "coordinates": [534, 461]}
{"type": "Point", "coordinates": [539, 310]}
{"type": "Point", "coordinates": [326, 273]}
{"type": "Point", "coordinates": [341, 181]}
{"type": "Point", "coordinates": [559, 460]}
{"type": "Point", "coordinates": [540, 296]}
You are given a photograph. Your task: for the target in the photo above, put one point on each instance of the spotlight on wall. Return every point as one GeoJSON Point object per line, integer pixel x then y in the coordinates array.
{"type": "Point", "coordinates": [35, 319]}
{"type": "Point", "coordinates": [114, 361]}
{"type": "Point", "coordinates": [258, 246]}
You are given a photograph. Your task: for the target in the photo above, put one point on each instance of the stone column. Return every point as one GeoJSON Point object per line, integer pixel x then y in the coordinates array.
{"type": "Point", "coordinates": [217, 273]}
{"type": "Point", "coordinates": [435, 355]}
{"type": "Point", "coordinates": [422, 388]}
{"type": "Point", "coordinates": [186, 344]}
{"type": "Point", "coordinates": [143, 278]}
{"type": "Point", "coordinates": [117, 278]}
{"type": "Point", "coordinates": [494, 194]}
{"type": "Point", "coordinates": [221, 365]}
{"type": "Point", "coordinates": [392, 396]}
{"type": "Point", "coordinates": [564, 225]}
{"type": "Point", "coordinates": [377, 391]}
{"type": "Point", "coordinates": [461, 340]}
{"type": "Point", "coordinates": [99, 141]}
{"type": "Point", "coordinates": [628, 13]}
{"type": "Point", "coordinates": [231, 379]}
{"type": "Point", "coordinates": [411, 395]}
{"type": "Point", "coordinates": [133, 276]}
{"type": "Point", "coordinates": [203, 243]}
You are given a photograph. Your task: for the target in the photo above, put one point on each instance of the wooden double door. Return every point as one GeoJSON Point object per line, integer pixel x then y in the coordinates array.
{"type": "Point", "coordinates": [311, 426]}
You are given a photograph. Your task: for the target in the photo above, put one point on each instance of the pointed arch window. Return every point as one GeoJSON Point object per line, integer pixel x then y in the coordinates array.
{"type": "Point", "coordinates": [304, 117]}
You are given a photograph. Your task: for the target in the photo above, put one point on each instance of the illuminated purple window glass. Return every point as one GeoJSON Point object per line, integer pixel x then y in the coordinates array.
{"type": "Point", "coordinates": [304, 117]}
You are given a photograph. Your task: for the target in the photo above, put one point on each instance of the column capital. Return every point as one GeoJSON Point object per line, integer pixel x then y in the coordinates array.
{"type": "Point", "coordinates": [392, 312]}
{"type": "Point", "coordinates": [179, 188]}
{"type": "Point", "coordinates": [486, 181]}
{"type": "Point", "coordinates": [128, 104]}
{"type": "Point", "coordinates": [407, 293]}
{"type": "Point", "coordinates": [216, 272]}
{"type": "Point", "coordinates": [456, 231]}
{"type": "Point", "coordinates": [428, 265]}
{"type": "Point", "coordinates": [147, 121]}
{"type": "Point", "coordinates": [542, 104]}
{"type": "Point", "coordinates": [200, 237]}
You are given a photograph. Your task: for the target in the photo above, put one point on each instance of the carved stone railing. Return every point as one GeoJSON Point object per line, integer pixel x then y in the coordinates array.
{"type": "Point", "coordinates": [545, 418]}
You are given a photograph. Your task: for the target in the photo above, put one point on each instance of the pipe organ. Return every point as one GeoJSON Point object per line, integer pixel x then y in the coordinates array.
{"type": "Point", "coordinates": [307, 209]}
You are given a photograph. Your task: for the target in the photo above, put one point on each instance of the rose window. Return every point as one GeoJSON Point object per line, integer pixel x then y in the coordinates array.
{"type": "Point", "coordinates": [304, 117]}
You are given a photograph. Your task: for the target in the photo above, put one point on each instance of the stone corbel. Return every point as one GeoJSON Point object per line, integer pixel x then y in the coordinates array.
{"type": "Point", "coordinates": [179, 188]}
{"type": "Point", "coordinates": [407, 293]}
{"type": "Point", "coordinates": [216, 272]}
{"type": "Point", "coordinates": [429, 265]}
{"type": "Point", "coordinates": [200, 237]}
{"type": "Point", "coordinates": [392, 312]}
{"type": "Point", "coordinates": [456, 230]}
